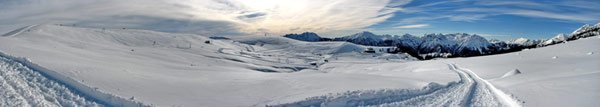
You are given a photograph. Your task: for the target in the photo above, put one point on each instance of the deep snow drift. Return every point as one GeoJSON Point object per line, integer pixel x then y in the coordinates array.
{"type": "Point", "coordinates": [167, 69]}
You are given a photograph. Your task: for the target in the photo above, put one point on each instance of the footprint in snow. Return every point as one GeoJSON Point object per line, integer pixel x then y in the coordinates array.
{"type": "Point", "coordinates": [590, 53]}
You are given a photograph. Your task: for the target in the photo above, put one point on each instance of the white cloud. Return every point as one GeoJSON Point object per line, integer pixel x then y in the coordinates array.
{"type": "Point", "coordinates": [413, 26]}
{"type": "Point", "coordinates": [236, 16]}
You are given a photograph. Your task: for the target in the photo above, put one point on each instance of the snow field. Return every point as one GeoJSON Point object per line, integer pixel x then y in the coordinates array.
{"type": "Point", "coordinates": [167, 69]}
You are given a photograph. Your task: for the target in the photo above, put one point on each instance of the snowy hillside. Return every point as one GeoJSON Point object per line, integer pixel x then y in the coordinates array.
{"type": "Point", "coordinates": [167, 69]}
{"type": "Point", "coordinates": [555, 76]}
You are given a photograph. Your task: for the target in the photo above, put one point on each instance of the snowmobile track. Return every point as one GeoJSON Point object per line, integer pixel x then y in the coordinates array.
{"type": "Point", "coordinates": [469, 91]}
{"type": "Point", "coordinates": [23, 83]}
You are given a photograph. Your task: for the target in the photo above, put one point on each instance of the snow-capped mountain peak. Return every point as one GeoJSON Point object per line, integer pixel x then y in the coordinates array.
{"type": "Point", "coordinates": [306, 36]}
{"type": "Point", "coordinates": [365, 35]}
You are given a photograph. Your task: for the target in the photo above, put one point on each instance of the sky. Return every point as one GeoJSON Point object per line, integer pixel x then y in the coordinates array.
{"type": "Point", "coordinates": [492, 19]}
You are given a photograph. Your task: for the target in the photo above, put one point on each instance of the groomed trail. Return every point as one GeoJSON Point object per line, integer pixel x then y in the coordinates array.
{"type": "Point", "coordinates": [469, 91]}
{"type": "Point", "coordinates": [21, 86]}
{"type": "Point", "coordinates": [18, 31]}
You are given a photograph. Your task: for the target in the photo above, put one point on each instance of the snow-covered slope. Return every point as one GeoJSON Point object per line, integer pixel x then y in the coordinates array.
{"type": "Point", "coordinates": [554, 76]}
{"type": "Point", "coordinates": [167, 69]}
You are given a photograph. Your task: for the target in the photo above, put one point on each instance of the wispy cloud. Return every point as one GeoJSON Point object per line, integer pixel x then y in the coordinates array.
{"type": "Point", "coordinates": [413, 26]}
{"type": "Point", "coordinates": [551, 15]}
{"type": "Point", "coordinates": [429, 19]}
{"type": "Point", "coordinates": [203, 16]}
{"type": "Point", "coordinates": [535, 13]}
{"type": "Point", "coordinates": [472, 10]}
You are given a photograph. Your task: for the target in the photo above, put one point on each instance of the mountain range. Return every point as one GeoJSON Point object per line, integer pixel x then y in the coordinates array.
{"type": "Point", "coordinates": [450, 45]}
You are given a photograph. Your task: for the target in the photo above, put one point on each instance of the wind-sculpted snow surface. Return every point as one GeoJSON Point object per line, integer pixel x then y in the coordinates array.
{"type": "Point", "coordinates": [471, 90]}
{"type": "Point", "coordinates": [20, 86]}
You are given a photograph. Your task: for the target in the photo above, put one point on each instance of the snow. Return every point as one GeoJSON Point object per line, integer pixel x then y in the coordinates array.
{"type": "Point", "coordinates": [544, 81]}
{"type": "Point", "coordinates": [167, 69]}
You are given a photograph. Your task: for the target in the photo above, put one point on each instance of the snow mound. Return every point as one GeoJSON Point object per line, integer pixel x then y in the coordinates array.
{"type": "Point", "coordinates": [511, 73]}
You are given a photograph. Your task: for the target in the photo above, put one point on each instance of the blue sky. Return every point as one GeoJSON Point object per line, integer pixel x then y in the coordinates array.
{"type": "Point", "coordinates": [492, 19]}
{"type": "Point", "coordinates": [329, 18]}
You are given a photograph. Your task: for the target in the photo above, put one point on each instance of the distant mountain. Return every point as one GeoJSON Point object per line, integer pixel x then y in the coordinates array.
{"type": "Point", "coordinates": [450, 45]}
{"type": "Point", "coordinates": [583, 32]}
{"type": "Point", "coordinates": [364, 38]}
{"type": "Point", "coordinates": [430, 45]}
{"type": "Point", "coordinates": [306, 36]}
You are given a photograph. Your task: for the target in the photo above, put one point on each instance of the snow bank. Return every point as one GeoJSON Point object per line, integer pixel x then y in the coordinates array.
{"type": "Point", "coordinates": [97, 95]}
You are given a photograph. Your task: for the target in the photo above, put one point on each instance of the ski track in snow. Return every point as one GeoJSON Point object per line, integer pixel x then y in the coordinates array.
{"type": "Point", "coordinates": [21, 86]}
{"type": "Point", "coordinates": [469, 91]}
{"type": "Point", "coordinates": [18, 31]}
